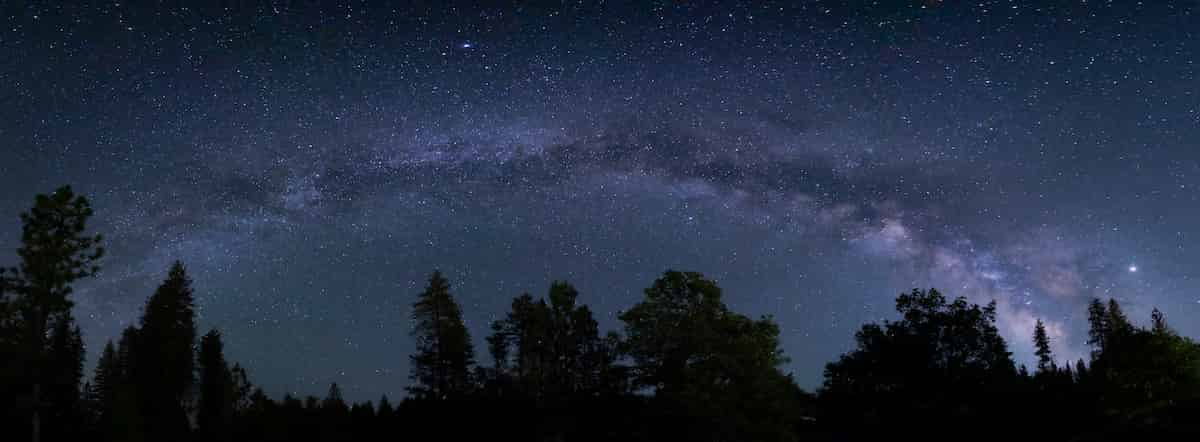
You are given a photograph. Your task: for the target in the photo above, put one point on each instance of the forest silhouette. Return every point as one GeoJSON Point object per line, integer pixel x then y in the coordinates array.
{"type": "Point", "coordinates": [684, 367]}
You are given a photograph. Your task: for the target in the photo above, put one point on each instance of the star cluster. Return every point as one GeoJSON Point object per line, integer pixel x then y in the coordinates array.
{"type": "Point", "coordinates": [312, 163]}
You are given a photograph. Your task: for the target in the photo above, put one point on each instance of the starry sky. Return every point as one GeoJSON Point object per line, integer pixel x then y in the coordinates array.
{"type": "Point", "coordinates": [311, 163]}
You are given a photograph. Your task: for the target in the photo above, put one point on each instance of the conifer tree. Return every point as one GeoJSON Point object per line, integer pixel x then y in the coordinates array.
{"type": "Point", "coordinates": [385, 408]}
{"type": "Point", "coordinates": [558, 348]}
{"type": "Point", "coordinates": [62, 378]}
{"type": "Point", "coordinates": [55, 252]}
{"type": "Point", "coordinates": [1041, 342]}
{"type": "Point", "coordinates": [1118, 324]}
{"type": "Point", "coordinates": [166, 343]}
{"type": "Point", "coordinates": [1098, 327]}
{"type": "Point", "coordinates": [215, 413]}
{"type": "Point", "coordinates": [103, 388]}
{"type": "Point", "coordinates": [441, 367]}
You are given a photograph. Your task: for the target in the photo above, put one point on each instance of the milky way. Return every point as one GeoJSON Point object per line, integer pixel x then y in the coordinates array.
{"type": "Point", "coordinates": [312, 164]}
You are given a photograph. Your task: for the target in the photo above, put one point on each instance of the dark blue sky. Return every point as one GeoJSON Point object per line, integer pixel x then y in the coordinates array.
{"type": "Point", "coordinates": [311, 164]}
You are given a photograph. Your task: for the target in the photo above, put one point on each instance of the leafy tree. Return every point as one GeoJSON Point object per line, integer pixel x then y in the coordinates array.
{"type": "Point", "coordinates": [441, 367]}
{"type": "Point", "coordinates": [55, 252]}
{"type": "Point", "coordinates": [709, 363]}
{"type": "Point", "coordinates": [166, 353]}
{"type": "Point", "coordinates": [945, 358]}
{"type": "Point", "coordinates": [1041, 342]}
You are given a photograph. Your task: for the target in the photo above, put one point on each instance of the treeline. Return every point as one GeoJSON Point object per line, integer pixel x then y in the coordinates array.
{"type": "Point", "coordinates": [683, 367]}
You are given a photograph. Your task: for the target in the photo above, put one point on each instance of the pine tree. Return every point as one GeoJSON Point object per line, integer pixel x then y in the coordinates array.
{"type": "Point", "coordinates": [1098, 327]}
{"type": "Point", "coordinates": [103, 389]}
{"type": "Point", "coordinates": [166, 342]}
{"type": "Point", "coordinates": [55, 252]}
{"type": "Point", "coordinates": [333, 400]}
{"type": "Point", "coordinates": [1118, 324]}
{"type": "Point", "coordinates": [62, 378]}
{"type": "Point", "coordinates": [1041, 342]}
{"type": "Point", "coordinates": [558, 348]}
{"type": "Point", "coordinates": [385, 408]}
{"type": "Point", "coordinates": [216, 390]}
{"type": "Point", "coordinates": [442, 364]}
{"type": "Point", "coordinates": [127, 355]}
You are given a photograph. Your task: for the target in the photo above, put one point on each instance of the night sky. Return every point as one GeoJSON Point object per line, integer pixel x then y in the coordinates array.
{"type": "Point", "coordinates": [311, 164]}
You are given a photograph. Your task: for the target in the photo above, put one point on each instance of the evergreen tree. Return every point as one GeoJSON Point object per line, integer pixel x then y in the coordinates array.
{"type": "Point", "coordinates": [166, 345]}
{"type": "Point", "coordinates": [55, 252]}
{"type": "Point", "coordinates": [127, 354]}
{"type": "Point", "coordinates": [242, 389]}
{"type": "Point", "coordinates": [1081, 371]}
{"type": "Point", "coordinates": [385, 408]}
{"type": "Point", "coordinates": [334, 416]}
{"type": "Point", "coordinates": [559, 350]}
{"type": "Point", "coordinates": [103, 389]}
{"type": "Point", "coordinates": [1118, 324]}
{"type": "Point", "coordinates": [1041, 342]}
{"type": "Point", "coordinates": [333, 400]}
{"type": "Point", "coordinates": [441, 367]}
{"type": "Point", "coordinates": [62, 378]}
{"type": "Point", "coordinates": [1098, 327]}
{"type": "Point", "coordinates": [215, 414]}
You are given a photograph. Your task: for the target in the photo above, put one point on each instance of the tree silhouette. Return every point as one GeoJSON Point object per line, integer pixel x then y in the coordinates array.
{"type": "Point", "coordinates": [55, 252]}
{"type": "Point", "coordinates": [62, 378]}
{"type": "Point", "coordinates": [441, 367]}
{"type": "Point", "coordinates": [708, 363]}
{"type": "Point", "coordinates": [217, 390]}
{"type": "Point", "coordinates": [688, 368]}
{"type": "Point", "coordinates": [944, 358]}
{"type": "Point", "coordinates": [102, 395]}
{"type": "Point", "coordinates": [165, 348]}
{"type": "Point", "coordinates": [559, 352]}
{"type": "Point", "coordinates": [1041, 343]}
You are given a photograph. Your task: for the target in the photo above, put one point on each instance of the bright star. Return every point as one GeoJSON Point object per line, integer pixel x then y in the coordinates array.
{"type": "Point", "coordinates": [1133, 269]}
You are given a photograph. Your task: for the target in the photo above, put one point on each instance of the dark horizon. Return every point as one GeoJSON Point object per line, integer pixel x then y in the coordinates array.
{"type": "Point", "coordinates": [312, 164]}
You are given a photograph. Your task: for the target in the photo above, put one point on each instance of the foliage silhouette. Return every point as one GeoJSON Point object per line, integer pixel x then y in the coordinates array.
{"type": "Point", "coordinates": [55, 253]}
{"type": "Point", "coordinates": [441, 367]}
{"type": "Point", "coordinates": [685, 368]}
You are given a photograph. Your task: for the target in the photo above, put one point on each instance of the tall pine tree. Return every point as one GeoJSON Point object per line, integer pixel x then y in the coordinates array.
{"type": "Point", "coordinates": [102, 394]}
{"type": "Point", "coordinates": [1041, 343]}
{"type": "Point", "coordinates": [1098, 327]}
{"type": "Point", "coordinates": [215, 415]}
{"type": "Point", "coordinates": [442, 364]}
{"type": "Point", "coordinates": [62, 378]}
{"type": "Point", "coordinates": [55, 252]}
{"type": "Point", "coordinates": [166, 355]}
